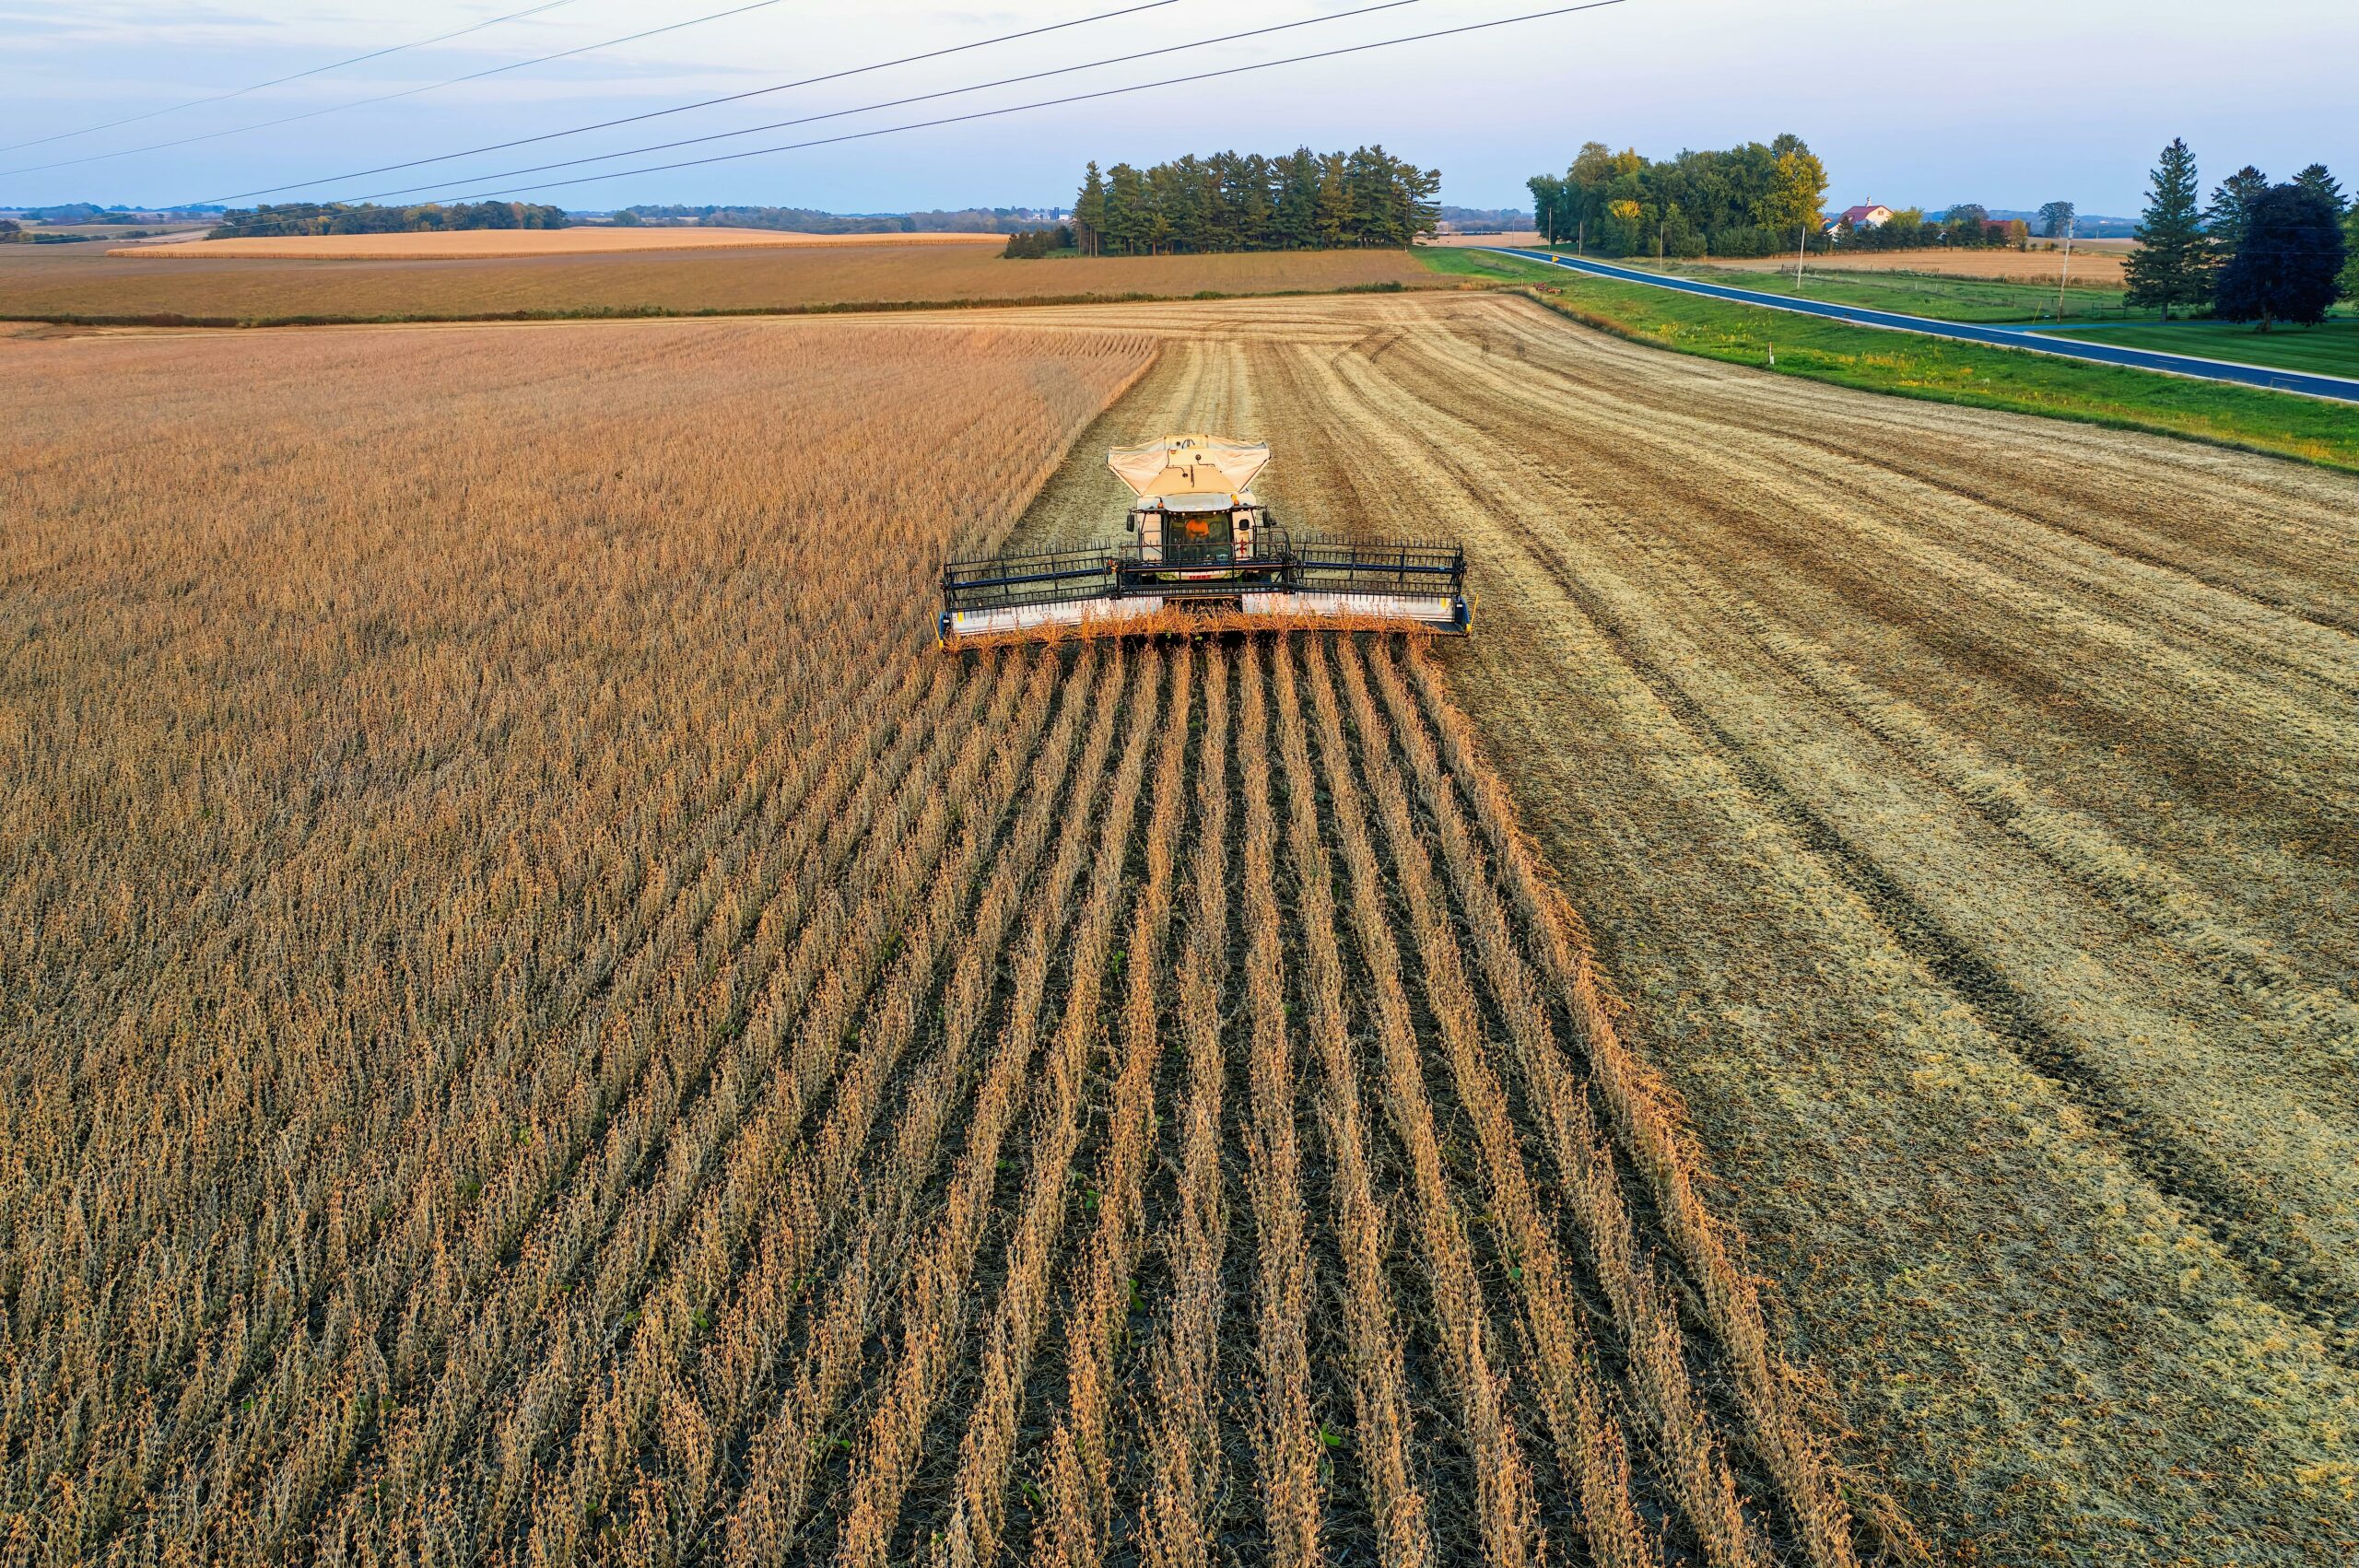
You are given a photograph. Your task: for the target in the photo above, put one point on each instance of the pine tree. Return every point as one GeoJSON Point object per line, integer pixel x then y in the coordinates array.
{"type": "Point", "coordinates": [1296, 219]}
{"type": "Point", "coordinates": [1332, 223]}
{"type": "Point", "coordinates": [1089, 209]}
{"type": "Point", "coordinates": [2174, 259]}
{"type": "Point", "coordinates": [2225, 217]}
{"type": "Point", "coordinates": [1125, 210]}
{"type": "Point", "coordinates": [2316, 177]}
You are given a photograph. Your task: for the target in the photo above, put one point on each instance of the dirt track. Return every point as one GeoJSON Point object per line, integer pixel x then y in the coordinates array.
{"type": "Point", "coordinates": [1964, 801]}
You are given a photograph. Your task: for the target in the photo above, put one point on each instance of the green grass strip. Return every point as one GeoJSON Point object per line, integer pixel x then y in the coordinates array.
{"type": "Point", "coordinates": [2330, 349]}
{"type": "Point", "coordinates": [1970, 375]}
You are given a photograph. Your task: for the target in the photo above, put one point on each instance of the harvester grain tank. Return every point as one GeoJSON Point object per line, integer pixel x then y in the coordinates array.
{"type": "Point", "coordinates": [1204, 547]}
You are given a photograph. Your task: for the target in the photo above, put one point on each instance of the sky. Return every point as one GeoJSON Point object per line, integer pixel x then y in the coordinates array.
{"type": "Point", "coordinates": [2006, 102]}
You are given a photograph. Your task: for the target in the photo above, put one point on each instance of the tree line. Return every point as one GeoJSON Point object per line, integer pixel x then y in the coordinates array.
{"type": "Point", "coordinates": [810, 220]}
{"type": "Point", "coordinates": [1032, 244]}
{"type": "Point", "coordinates": [1230, 200]}
{"type": "Point", "coordinates": [273, 221]}
{"type": "Point", "coordinates": [1967, 226]}
{"type": "Point", "coordinates": [1752, 200]}
{"type": "Point", "coordinates": [2259, 253]}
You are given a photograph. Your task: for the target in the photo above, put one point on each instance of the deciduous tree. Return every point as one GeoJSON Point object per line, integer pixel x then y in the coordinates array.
{"type": "Point", "coordinates": [2288, 266]}
{"type": "Point", "coordinates": [2056, 220]}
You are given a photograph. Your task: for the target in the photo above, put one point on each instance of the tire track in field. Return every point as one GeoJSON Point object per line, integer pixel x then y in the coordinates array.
{"type": "Point", "coordinates": [2281, 1263]}
{"type": "Point", "coordinates": [2140, 886]}
{"type": "Point", "coordinates": [2184, 1171]}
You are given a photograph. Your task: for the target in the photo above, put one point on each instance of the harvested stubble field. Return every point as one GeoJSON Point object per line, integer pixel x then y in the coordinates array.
{"type": "Point", "coordinates": [465, 243]}
{"type": "Point", "coordinates": [542, 1026]}
{"type": "Point", "coordinates": [80, 283]}
{"type": "Point", "coordinates": [2095, 263]}
{"type": "Point", "coordinates": [1965, 802]}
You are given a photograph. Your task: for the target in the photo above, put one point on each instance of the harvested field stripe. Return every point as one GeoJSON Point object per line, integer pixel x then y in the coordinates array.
{"type": "Point", "coordinates": [784, 1227]}
{"type": "Point", "coordinates": [1286, 1434]}
{"type": "Point", "coordinates": [1503, 1483]}
{"type": "Point", "coordinates": [738, 1368]}
{"type": "Point", "coordinates": [973, 1534]}
{"type": "Point", "coordinates": [1183, 1443]}
{"type": "Point", "coordinates": [1587, 1446]}
{"type": "Point", "coordinates": [1659, 1149]}
{"type": "Point", "coordinates": [1383, 1428]}
{"type": "Point", "coordinates": [1644, 1313]}
{"type": "Point", "coordinates": [769, 1512]}
{"type": "Point", "coordinates": [1077, 1480]}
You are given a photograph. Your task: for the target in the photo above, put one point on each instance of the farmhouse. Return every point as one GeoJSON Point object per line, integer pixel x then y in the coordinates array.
{"type": "Point", "coordinates": [1871, 216]}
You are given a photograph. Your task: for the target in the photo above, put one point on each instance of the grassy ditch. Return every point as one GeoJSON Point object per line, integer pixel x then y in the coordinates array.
{"type": "Point", "coordinates": [2330, 349]}
{"type": "Point", "coordinates": [1973, 375]}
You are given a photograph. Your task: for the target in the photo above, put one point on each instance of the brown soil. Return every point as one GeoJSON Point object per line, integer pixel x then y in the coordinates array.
{"type": "Point", "coordinates": [1962, 801]}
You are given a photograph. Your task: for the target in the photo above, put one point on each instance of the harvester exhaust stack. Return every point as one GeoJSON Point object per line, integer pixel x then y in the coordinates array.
{"type": "Point", "coordinates": [1205, 551]}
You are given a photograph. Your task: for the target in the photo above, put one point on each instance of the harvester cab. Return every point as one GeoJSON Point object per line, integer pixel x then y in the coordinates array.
{"type": "Point", "coordinates": [1204, 550]}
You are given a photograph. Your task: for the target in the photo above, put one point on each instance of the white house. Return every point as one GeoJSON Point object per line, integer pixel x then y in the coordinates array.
{"type": "Point", "coordinates": [1871, 216]}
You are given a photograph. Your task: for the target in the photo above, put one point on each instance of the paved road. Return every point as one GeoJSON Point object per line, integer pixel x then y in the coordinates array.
{"type": "Point", "coordinates": [2342, 388]}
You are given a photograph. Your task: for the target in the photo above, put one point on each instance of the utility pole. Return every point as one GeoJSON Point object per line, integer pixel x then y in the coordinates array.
{"type": "Point", "coordinates": [1800, 246]}
{"type": "Point", "coordinates": [1661, 235]}
{"type": "Point", "coordinates": [2067, 271]}
{"type": "Point", "coordinates": [1580, 243]}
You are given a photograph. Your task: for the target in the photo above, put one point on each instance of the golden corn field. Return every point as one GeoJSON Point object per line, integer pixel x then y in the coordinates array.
{"type": "Point", "coordinates": [543, 1026]}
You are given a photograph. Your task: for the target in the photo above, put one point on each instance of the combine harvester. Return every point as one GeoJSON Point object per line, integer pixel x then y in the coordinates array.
{"type": "Point", "coordinates": [1207, 555]}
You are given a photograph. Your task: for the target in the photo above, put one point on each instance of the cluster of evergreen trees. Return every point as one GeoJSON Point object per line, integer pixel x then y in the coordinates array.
{"type": "Point", "coordinates": [1033, 244]}
{"type": "Point", "coordinates": [1302, 201]}
{"type": "Point", "coordinates": [335, 218]}
{"type": "Point", "coordinates": [2259, 253]}
{"type": "Point", "coordinates": [1752, 200]}
{"type": "Point", "coordinates": [810, 220]}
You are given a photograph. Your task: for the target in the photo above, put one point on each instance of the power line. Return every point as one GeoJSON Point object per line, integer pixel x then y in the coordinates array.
{"type": "Point", "coordinates": [702, 103]}
{"type": "Point", "coordinates": [917, 97]}
{"type": "Point", "coordinates": [389, 97]}
{"type": "Point", "coordinates": [297, 77]}
{"type": "Point", "coordinates": [1049, 102]}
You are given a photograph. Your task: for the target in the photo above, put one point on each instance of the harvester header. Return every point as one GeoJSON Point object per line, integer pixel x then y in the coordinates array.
{"type": "Point", "coordinates": [1206, 549]}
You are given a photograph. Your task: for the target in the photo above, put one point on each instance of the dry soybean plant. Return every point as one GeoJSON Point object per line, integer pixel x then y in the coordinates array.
{"type": "Point", "coordinates": [546, 1026]}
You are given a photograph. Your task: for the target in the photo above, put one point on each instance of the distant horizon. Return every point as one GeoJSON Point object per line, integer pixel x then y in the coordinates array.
{"type": "Point", "coordinates": [181, 106]}
{"type": "Point", "coordinates": [1064, 205]}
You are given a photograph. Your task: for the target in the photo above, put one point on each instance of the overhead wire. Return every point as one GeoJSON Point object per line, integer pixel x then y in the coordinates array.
{"type": "Point", "coordinates": [706, 102]}
{"type": "Point", "coordinates": [1050, 102]}
{"type": "Point", "coordinates": [295, 77]}
{"type": "Point", "coordinates": [390, 97]}
{"type": "Point", "coordinates": [916, 98]}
